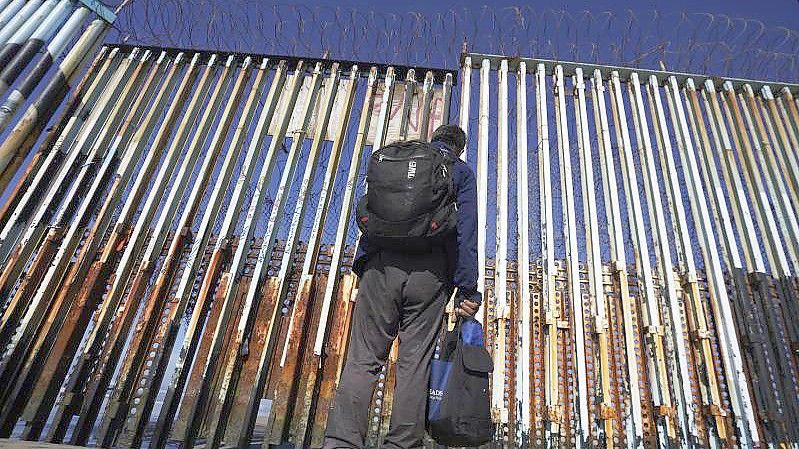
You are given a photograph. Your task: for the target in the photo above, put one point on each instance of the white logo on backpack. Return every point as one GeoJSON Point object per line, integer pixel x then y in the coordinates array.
{"type": "Point", "coordinates": [411, 169]}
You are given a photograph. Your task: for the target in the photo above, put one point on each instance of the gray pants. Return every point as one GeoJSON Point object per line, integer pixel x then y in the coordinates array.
{"type": "Point", "coordinates": [399, 294]}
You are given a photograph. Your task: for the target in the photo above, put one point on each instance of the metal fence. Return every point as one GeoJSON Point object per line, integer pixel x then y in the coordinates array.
{"type": "Point", "coordinates": [175, 258]}
{"type": "Point", "coordinates": [660, 254]}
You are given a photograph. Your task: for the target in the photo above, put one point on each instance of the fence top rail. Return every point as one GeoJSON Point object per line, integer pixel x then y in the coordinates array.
{"type": "Point", "coordinates": [400, 71]}
{"type": "Point", "coordinates": [624, 72]}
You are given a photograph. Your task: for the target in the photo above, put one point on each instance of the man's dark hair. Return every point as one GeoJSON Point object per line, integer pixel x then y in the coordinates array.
{"type": "Point", "coordinates": [450, 135]}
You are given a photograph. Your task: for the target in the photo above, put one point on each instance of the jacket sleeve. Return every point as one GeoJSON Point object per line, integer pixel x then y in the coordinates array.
{"type": "Point", "coordinates": [361, 255]}
{"type": "Point", "coordinates": [465, 276]}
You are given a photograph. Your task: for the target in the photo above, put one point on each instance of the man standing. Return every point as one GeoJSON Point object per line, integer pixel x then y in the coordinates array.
{"type": "Point", "coordinates": [403, 292]}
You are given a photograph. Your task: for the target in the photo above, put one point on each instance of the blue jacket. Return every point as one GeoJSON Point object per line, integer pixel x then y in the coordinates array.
{"type": "Point", "coordinates": [462, 247]}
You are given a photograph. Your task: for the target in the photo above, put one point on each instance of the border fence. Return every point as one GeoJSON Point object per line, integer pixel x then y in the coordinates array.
{"type": "Point", "coordinates": [176, 247]}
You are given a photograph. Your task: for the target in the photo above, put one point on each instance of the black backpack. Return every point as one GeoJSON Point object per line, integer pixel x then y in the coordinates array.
{"type": "Point", "coordinates": [459, 406]}
{"type": "Point", "coordinates": [410, 199]}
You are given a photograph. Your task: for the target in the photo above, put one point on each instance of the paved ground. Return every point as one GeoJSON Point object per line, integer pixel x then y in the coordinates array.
{"type": "Point", "coordinates": [17, 444]}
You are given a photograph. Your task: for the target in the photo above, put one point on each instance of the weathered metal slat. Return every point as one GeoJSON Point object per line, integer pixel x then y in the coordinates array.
{"type": "Point", "coordinates": [310, 410]}
{"type": "Point", "coordinates": [551, 314]}
{"type": "Point", "coordinates": [124, 296]}
{"type": "Point", "coordinates": [407, 100]}
{"type": "Point", "coordinates": [575, 297]}
{"type": "Point", "coordinates": [482, 179]}
{"type": "Point", "coordinates": [465, 102]}
{"type": "Point", "coordinates": [522, 395]}
{"type": "Point", "coordinates": [158, 305]}
{"type": "Point", "coordinates": [124, 245]}
{"type": "Point", "coordinates": [739, 395]}
{"type": "Point", "coordinates": [57, 271]}
{"type": "Point", "coordinates": [303, 306]}
{"type": "Point", "coordinates": [255, 210]}
{"type": "Point", "coordinates": [424, 103]}
{"type": "Point", "coordinates": [311, 429]}
{"type": "Point", "coordinates": [786, 147]}
{"type": "Point", "coordinates": [634, 423]}
{"type": "Point", "coordinates": [598, 323]}
{"type": "Point", "coordinates": [384, 117]}
{"type": "Point", "coordinates": [502, 309]}
{"type": "Point", "coordinates": [253, 386]}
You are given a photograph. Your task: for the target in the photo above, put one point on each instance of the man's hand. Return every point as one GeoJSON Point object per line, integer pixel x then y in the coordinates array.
{"type": "Point", "coordinates": [467, 309]}
{"type": "Point", "coordinates": [467, 303]}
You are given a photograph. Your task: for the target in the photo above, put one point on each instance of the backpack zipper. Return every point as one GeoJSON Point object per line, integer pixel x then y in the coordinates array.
{"type": "Point", "coordinates": [382, 157]}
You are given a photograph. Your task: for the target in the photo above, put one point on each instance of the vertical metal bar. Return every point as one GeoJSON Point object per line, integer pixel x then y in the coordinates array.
{"type": "Point", "coordinates": [235, 270]}
{"type": "Point", "coordinates": [523, 400]}
{"type": "Point", "coordinates": [595, 278]}
{"type": "Point", "coordinates": [684, 402]}
{"type": "Point", "coordinates": [466, 100]}
{"type": "Point", "coordinates": [20, 95]}
{"type": "Point", "coordinates": [424, 104]}
{"type": "Point", "coordinates": [385, 110]}
{"type": "Point", "coordinates": [446, 99]}
{"type": "Point", "coordinates": [554, 408]}
{"type": "Point", "coordinates": [618, 259]}
{"type": "Point", "coordinates": [220, 254]}
{"type": "Point", "coordinates": [482, 178]}
{"type": "Point", "coordinates": [572, 257]}
{"type": "Point", "coordinates": [407, 100]}
{"type": "Point", "coordinates": [32, 122]}
{"type": "Point", "coordinates": [502, 308]}
{"type": "Point", "coordinates": [739, 395]}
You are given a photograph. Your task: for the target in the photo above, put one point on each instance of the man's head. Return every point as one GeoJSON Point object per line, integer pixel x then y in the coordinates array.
{"type": "Point", "coordinates": [452, 136]}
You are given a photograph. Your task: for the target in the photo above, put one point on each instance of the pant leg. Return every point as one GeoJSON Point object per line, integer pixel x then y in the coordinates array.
{"type": "Point", "coordinates": [424, 301]}
{"type": "Point", "coordinates": [375, 323]}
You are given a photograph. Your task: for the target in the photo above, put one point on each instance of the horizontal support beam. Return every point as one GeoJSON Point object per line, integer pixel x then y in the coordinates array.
{"type": "Point", "coordinates": [624, 72]}
{"type": "Point", "coordinates": [101, 10]}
